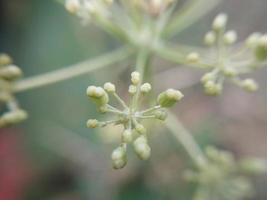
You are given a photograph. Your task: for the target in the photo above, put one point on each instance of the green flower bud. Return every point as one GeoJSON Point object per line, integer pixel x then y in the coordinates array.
{"type": "Point", "coordinates": [92, 123]}
{"type": "Point", "coordinates": [140, 129]}
{"type": "Point", "coordinates": [127, 136]}
{"type": "Point", "coordinates": [119, 158]}
{"type": "Point", "coordinates": [261, 49]}
{"type": "Point", "coordinates": [249, 85]}
{"type": "Point", "coordinates": [141, 148]}
{"type": "Point", "coordinates": [14, 117]}
{"type": "Point", "coordinates": [109, 87]}
{"type": "Point", "coordinates": [254, 166]}
{"type": "Point", "coordinates": [169, 97]}
{"type": "Point", "coordinates": [98, 95]}
{"type": "Point", "coordinates": [5, 60]}
{"type": "Point", "coordinates": [160, 114]}
{"type": "Point", "coordinates": [212, 88]}
{"type": "Point", "coordinates": [10, 72]}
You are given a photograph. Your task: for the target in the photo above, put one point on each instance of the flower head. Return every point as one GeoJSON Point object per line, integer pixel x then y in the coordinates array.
{"type": "Point", "coordinates": [129, 116]}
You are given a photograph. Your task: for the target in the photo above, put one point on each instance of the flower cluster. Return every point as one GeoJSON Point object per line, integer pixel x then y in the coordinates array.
{"type": "Point", "coordinates": [229, 61]}
{"type": "Point", "coordinates": [223, 178]}
{"type": "Point", "coordinates": [11, 113]}
{"type": "Point", "coordinates": [129, 116]}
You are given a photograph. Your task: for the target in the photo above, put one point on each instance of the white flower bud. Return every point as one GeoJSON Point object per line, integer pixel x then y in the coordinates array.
{"type": "Point", "coordinates": [127, 136]}
{"type": "Point", "coordinates": [230, 37]}
{"type": "Point", "coordinates": [98, 95]}
{"type": "Point", "coordinates": [119, 159]}
{"type": "Point", "coordinates": [141, 148]}
{"type": "Point", "coordinates": [109, 87]}
{"type": "Point", "coordinates": [249, 85]}
{"type": "Point", "coordinates": [263, 41]}
{"type": "Point", "coordinates": [5, 60]}
{"type": "Point", "coordinates": [253, 40]}
{"type": "Point", "coordinates": [169, 97]}
{"type": "Point", "coordinates": [211, 88]}
{"type": "Point", "coordinates": [140, 129]}
{"type": "Point", "coordinates": [135, 78]}
{"type": "Point", "coordinates": [219, 22]}
{"type": "Point", "coordinates": [208, 77]}
{"type": "Point", "coordinates": [193, 57]}
{"type": "Point", "coordinates": [92, 123]}
{"type": "Point", "coordinates": [210, 38]}
{"type": "Point", "coordinates": [10, 72]}
{"type": "Point", "coordinates": [73, 6]}
{"type": "Point", "coordinates": [145, 88]}
{"type": "Point", "coordinates": [14, 117]}
{"type": "Point", "coordinates": [132, 89]}
{"type": "Point", "coordinates": [230, 72]}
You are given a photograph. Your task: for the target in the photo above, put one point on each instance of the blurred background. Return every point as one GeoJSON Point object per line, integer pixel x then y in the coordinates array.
{"type": "Point", "coordinates": [53, 156]}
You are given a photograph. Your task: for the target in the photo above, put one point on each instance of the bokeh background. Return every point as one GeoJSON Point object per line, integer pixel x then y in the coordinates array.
{"type": "Point", "coordinates": [53, 156]}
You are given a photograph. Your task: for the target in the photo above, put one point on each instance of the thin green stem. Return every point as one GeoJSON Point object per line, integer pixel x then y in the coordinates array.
{"type": "Point", "coordinates": [72, 71]}
{"type": "Point", "coordinates": [120, 100]}
{"type": "Point", "coordinates": [186, 139]}
{"type": "Point", "coordinates": [150, 109]}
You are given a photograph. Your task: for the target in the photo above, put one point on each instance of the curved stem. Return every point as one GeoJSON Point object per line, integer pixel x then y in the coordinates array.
{"type": "Point", "coordinates": [186, 139]}
{"type": "Point", "coordinates": [72, 71]}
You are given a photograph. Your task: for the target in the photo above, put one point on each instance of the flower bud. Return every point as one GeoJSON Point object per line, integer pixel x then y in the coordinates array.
{"type": "Point", "coordinates": [169, 97]}
{"type": "Point", "coordinates": [210, 38]}
{"type": "Point", "coordinates": [98, 95]}
{"type": "Point", "coordinates": [5, 59]}
{"type": "Point", "coordinates": [252, 40]}
{"type": "Point", "coordinates": [92, 123]}
{"type": "Point", "coordinates": [208, 77]}
{"type": "Point", "coordinates": [145, 88]}
{"type": "Point", "coordinates": [109, 87]}
{"type": "Point", "coordinates": [14, 117]}
{"type": "Point", "coordinates": [141, 148]}
{"type": "Point", "coordinates": [72, 6]}
{"type": "Point", "coordinates": [132, 89]}
{"type": "Point", "coordinates": [135, 78]}
{"type": "Point", "coordinates": [193, 57]}
{"type": "Point", "coordinates": [10, 72]}
{"type": "Point", "coordinates": [229, 72]}
{"type": "Point", "coordinates": [127, 136]}
{"type": "Point", "coordinates": [140, 129]}
{"type": "Point", "coordinates": [230, 37]}
{"type": "Point", "coordinates": [211, 88]}
{"type": "Point", "coordinates": [160, 114]}
{"type": "Point", "coordinates": [261, 49]}
{"type": "Point", "coordinates": [219, 22]}
{"type": "Point", "coordinates": [119, 159]}
{"type": "Point", "coordinates": [253, 166]}
{"type": "Point", "coordinates": [249, 85]}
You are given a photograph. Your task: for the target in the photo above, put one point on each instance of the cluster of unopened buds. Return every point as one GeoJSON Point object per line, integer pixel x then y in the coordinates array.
{"type": "Point", "coordinates": [224, 178]}
{"type": "Point", "coordinates": [87, 10]}
{"type": "Point", "coordinates": [10, 111]}
{"type": "Point", "coordinates": [229, 61]}
{"type": "Point", "coordinates": [129, 116]}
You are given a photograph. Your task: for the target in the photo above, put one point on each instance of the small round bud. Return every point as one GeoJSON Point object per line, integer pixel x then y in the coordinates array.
{"type": "Point", "coordinates": [127, 136]}
{"type": "Point", "coordinates": [135, 78]}
{"type": "Point", "coordinates": [261, 49]}
{"type": "Point", "coordinates": [145, 88]}
{"type": "Point", "coordinates": [10, 72]}
{"type": "Point", "coordinates": [219, 22]}
{"type": "Point", "coordinates": [230, 37]}
{"type": "Point", "coordinates": [211, 88]}
{"type": "Point", "coordinates": [140, 129]}
{"type": "Point", "coordinates": [193, 57]}
{"type": "Point", "coordinates": [208, 77]}
{"type": "Point", "coordinates": [119, 159]}
{"type": "Point", "coordinates": [160, 114]}
{"type": "Point", "coordinates": [98, 95]}
{"type": "Point", "coordinates": [72, 6]}
{"type": "Point", "coordinates": [252, 40]}
{"type": "Point", "coordinates": [109, 87]}
{"type": "Point", "coordinates": [141, 148]}
{"type": "Point", "coordinates": [169, 97]}
{"type": "Point", "coordinates": [249, 85]}
{"type": "Point", "coordinates": [132, 89]}
{"type": "Point", "coordinates": [5, 59]}
{"type": "Point", "coordinates": [230, 72]}
{"type": "Point", "coordinates": [92, 123]}
{"type": "Point", "coordinates": [210, 38]}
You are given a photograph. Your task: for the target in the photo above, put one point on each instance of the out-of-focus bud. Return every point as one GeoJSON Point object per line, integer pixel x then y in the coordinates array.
{"type": "Point", "coordinates": [261, 49]}
{"type": "Point", "coordinates": [140, 128]}
{"type": "Point", "coordinates": [210, 38]}
{"type": "Point", "coordinates": [135, 78]}
{"type": "Point", "coordinates": [98, 95]}
{"type": "Point", "coordinates": [252, 40]}
{"type": "Point", "coordinates": [145, 88]}
{"type": "Point", "coordinates": [193, 57]}
{"type": "Point", "coordinates": [211, 88]}
{"type": "Point", "coordinates": [208, 77]}
{"type": "Point", "coordinates": [141, 148]}
{"type": "Point", "coordinates": [132, 89]}
{"type": "Point", "coordinates": [92, 123]}
{"type": "Point", "coordinates": [72, 6]}
{"type": "Point", "coordinates": [219, 22]}
{"type": "Point", "coordinates": [230, 37]}
{"type": "Point", "coordinates": [10, 72]}
{"type": "Point", "coordinates": [13, 117]}
{"type": "Point", "coordinates": [127, 136]}
{"type": "Point", "coordinates": [249, 85]}
{"type": "Point", "coordinates": [253, 166]}
{"type": "Point", "coordinates": [229, 72]}
{"type": "Point", "coordinates": [119, 159]}
{"type": "Point", "coordinates": [161, 114]}
{"type": "Point", "coordinates": [5, 59]}
{"type": "Point", "coordinates": [109, 87]}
